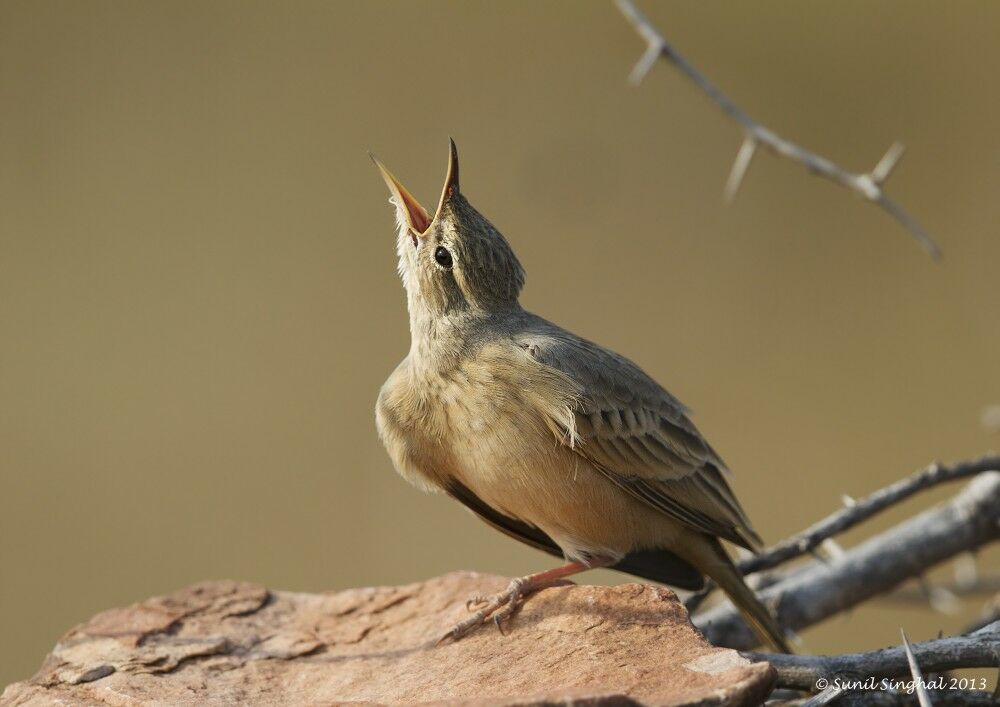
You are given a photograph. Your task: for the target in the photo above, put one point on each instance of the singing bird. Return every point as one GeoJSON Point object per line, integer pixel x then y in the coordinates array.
{"type": "Point", "coordinates": [550, 438]}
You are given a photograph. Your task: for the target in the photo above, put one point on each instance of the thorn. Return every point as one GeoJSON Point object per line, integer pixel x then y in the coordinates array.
{"type": "Point", "coordinates": [740, 165]}
{"type": "Point", "coordinates": [655, 44]}
{"type": "Point", "coordinates": [888, 162]}
{"type": "Point", "coordinates": [833, 548]}
{"type": "Point", "coordinates": [866, 185]}
{"type": "Point", "coordinates": [645, 63]}
{"type": "Point", "coordinates": [921, 689]}
{"type": "Point", "coordinates": [848, 501]}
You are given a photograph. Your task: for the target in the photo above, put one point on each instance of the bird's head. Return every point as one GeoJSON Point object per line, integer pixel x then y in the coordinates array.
{"type": "Point", "coordinates": [455, 263]}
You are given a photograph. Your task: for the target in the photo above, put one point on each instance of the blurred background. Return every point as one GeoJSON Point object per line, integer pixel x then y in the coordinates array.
{"type": "Point", "coordinates": [198, 297]}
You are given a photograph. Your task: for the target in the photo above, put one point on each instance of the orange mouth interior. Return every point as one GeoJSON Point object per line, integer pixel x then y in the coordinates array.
{"type": "Point", "coordinates": [419, 220]}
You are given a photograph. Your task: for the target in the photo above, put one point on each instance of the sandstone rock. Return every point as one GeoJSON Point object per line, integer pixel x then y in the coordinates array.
{"type": "Point", "coordinates": [233, 643]}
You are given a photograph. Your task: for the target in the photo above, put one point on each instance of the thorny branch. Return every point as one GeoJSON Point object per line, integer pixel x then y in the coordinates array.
{"type": "Point", "coordinates": [820, 589]}
{"type": "Point", "coordinates": [855, 512]}
{"type": "Point", "coordinates": [979, 649]}
{"type": "Point", "coordinates": [803, 595]}
{"type": "Point", "coordinates": [858, 511]}
{"type": "Point", "coordinates": [868, 185]}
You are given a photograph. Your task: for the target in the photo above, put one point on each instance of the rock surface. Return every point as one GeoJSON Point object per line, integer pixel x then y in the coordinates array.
{"type": "Point", "coordinates": [233, 643]}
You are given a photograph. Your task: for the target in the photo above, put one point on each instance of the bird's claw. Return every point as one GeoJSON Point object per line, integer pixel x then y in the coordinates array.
{"type": "Point", "coordinates": [476, 601]}
{"type": "Point", "coordinates": [498, 608]}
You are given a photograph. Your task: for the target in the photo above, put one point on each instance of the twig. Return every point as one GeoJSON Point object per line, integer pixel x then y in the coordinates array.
{"type": "Point", "coordinates": [941, 698]}
{"type": "Point", "coordinates": [976, 650]}
{"type": "Point", "coordinates": [867, 185]}
{"type": "Point", "coordinates": [945, 598]}
{"type": "Point", "coordinates": [820, 589]}
{"type": "Point", "coordinates": [853, 513]}
{"type": "Point", "coordinates": [857, 511]}
{"type": "Point", "coordinates": [824, 698]}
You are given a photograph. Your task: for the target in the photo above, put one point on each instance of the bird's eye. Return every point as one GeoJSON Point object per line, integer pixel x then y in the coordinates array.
{"type": "Point", "coordinates": [443, 257]}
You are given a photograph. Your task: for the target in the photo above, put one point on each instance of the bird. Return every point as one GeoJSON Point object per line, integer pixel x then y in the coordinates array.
{"type": "Point", "coordinates": [550, 438]}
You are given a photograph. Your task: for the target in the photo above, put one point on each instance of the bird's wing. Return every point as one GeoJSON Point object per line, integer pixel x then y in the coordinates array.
{"type": "Point", "coordinates": [640, 437]}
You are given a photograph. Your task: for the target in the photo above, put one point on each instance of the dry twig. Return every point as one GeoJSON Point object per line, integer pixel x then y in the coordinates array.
{"type": "Point", "coordinates": [868, 185]}
{"type": "Point", "coordinates": [853, 513]}
{"type": "Point", "coordinates": [820, 589]}
{"type": "Point", "coordinates": [980, 649]}
{"type": "Point", "coordinates": [858, 511]}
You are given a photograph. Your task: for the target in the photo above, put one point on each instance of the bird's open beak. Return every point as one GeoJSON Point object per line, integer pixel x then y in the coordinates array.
{"type": "Point", "coordinates": [417, 218]}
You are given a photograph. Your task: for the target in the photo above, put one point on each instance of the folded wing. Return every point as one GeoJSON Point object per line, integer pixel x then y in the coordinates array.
{"type": "Point", "coordinates": [640, 437]}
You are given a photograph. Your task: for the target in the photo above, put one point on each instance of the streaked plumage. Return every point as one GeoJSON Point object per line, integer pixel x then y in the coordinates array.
{"type": "Point", "coordinates": [546, 436]}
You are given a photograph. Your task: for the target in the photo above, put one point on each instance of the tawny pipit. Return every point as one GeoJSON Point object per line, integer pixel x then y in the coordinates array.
{"type": "Point", "coordinates": [549, 438]}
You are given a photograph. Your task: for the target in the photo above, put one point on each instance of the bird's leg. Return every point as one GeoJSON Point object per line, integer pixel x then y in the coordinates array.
{"type": "Point", "coordinates": [501, 606]}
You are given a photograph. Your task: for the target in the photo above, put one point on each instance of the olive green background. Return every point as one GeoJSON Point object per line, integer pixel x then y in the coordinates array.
{"type": "Point", "coordinates": [198, 298]}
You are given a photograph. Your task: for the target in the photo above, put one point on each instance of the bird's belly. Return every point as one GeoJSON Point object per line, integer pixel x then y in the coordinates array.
{"type": "Point", "coordinates": [511, 459]}
{"type": "Point", "coordinates": [536, 479]}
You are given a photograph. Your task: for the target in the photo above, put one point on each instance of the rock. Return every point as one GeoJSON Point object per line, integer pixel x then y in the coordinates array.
{"type": "Point", "coordinates": [233, 643]}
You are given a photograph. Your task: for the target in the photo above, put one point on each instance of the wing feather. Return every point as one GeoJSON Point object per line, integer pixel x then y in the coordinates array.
{"type": "Point", "coordinates": [640, 436]}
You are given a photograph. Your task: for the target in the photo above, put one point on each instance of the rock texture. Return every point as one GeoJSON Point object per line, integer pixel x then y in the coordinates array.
{"type": "Point", "coordinates": [233, 643]}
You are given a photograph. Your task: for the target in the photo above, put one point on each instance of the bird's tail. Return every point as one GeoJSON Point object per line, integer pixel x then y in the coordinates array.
{"type": "Point", "coordinates": [719, 566]}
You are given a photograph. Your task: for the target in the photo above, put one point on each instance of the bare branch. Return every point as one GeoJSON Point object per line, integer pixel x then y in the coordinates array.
{"type": "Point", "coordinates": [857, 511]}
{"type": "Point", "coordinates": [824, 698]}
{"type": "Point", "coordinates": [866, 185]}
{"type": "Point", "coordinates": [941, 698]}
{"type": "Point", "coordinates": [854, 512]}
{"type": "Point", "coordinates": [947, 697]}
{"type": "Point", "coordinates": [821, 589]}
{"type": "Point", "coordinates": [975, 650]}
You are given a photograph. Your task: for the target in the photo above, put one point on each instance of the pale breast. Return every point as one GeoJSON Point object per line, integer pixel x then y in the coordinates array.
{"type": "Point", "coordinates": [405, 419]}
{"type": "Point", "coordinates": [502, 426]}
{"type": "Point", "coordinates": [485, 420]}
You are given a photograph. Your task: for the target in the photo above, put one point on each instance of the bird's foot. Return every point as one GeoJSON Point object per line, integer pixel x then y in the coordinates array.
{"type": "Point", "coordinates": [502, 606]}
{"type": "Point", "coordinates": [499, 607]}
